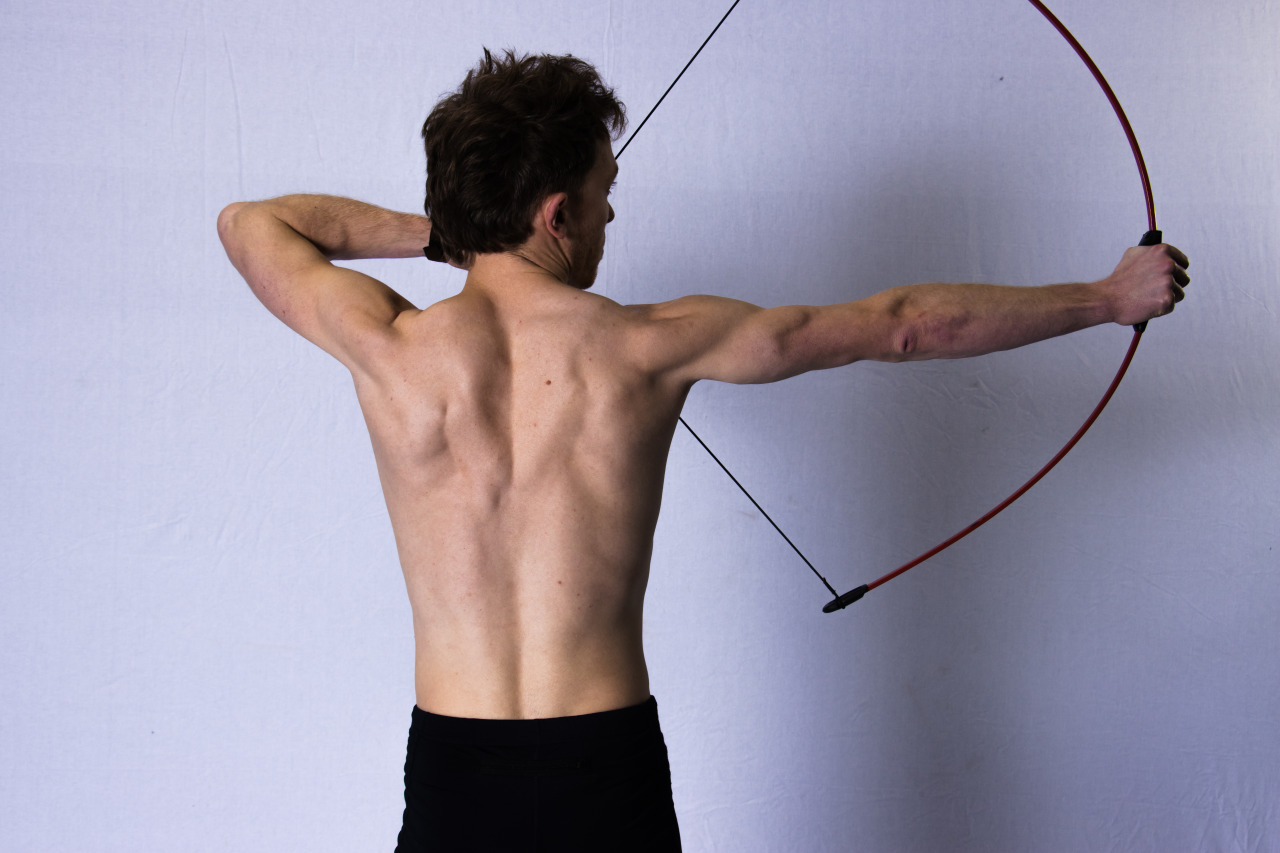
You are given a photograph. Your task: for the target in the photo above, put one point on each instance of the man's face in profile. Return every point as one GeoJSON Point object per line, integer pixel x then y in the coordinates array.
{"type": "Point", "coordinates": [590, 213]}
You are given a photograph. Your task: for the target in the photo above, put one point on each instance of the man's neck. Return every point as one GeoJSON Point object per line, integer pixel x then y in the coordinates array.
{"type": "Point", "coordinates": [518, 271]}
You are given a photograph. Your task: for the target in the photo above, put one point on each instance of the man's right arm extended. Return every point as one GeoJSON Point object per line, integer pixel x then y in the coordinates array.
{"type": "Point", "coordinates": [706, 337]}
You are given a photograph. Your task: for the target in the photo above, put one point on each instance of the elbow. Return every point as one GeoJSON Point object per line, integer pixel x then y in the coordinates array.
{"type": "Point", "coordinates": [227, 217]}
{"type": "Point", "coordinates": [905, 328]}
{"type": "Point", "coordinates": [905, 342]}
{"type": "Point", "coordinates": [924, 336]}
{"type": "Point", "coordinates": [922, 326]}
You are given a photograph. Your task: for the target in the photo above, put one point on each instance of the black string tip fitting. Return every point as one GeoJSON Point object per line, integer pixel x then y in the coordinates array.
{"type": "Point", "coordinates": [1151, 238]}
{"type": "Point", "coordinates": [840, 602]}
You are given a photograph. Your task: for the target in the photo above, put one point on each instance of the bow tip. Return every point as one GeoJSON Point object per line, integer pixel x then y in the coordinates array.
{"type": "Point", "coordinates": [840, 602]}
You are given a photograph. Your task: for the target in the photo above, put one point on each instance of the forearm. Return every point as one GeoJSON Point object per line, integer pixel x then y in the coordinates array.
{"type": "Point", "coordinates": [956, 320]}
{"type": "Point", "coordinates": [345, 229]}
{"type": "Point", "coordinates": [961, 320]}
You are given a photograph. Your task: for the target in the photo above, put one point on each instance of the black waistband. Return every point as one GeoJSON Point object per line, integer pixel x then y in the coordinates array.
{"type": "Point", "coordinates": [603, 725]}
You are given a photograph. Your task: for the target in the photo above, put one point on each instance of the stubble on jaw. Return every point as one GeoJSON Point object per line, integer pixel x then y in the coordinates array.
{"type": "Point", "coordinates": [584, 263]}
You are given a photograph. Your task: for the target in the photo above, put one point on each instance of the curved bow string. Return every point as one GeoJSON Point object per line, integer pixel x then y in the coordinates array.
{"type": "Point", "coordinates": [1152, 237]}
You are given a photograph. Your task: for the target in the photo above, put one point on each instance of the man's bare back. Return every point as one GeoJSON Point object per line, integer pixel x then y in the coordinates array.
{"type": "Point", "coordinates": [521, 446]}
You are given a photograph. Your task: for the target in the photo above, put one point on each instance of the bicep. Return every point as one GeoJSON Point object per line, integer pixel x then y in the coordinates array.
{"type": "Point", "coordinates": [336, 308]}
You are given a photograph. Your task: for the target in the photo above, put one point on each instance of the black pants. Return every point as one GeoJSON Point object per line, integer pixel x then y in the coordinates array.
{"type": "Point", "coordinates": [596, 782]}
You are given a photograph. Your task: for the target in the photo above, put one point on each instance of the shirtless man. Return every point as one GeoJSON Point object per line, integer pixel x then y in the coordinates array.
{"type": "Point", "coordinates": [521, 431]}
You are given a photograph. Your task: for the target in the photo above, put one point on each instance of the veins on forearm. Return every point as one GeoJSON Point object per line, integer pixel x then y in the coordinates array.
{"type": "Point", "coordinates": [961, 320]}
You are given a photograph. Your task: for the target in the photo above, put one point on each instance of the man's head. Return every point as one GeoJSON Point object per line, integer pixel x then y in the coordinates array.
{"type": "Point", "coordinates": [519, 129]}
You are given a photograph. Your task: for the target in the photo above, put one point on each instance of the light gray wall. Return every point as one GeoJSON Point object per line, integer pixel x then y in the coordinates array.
{"type": "Point", "coordinates": [204, 643]}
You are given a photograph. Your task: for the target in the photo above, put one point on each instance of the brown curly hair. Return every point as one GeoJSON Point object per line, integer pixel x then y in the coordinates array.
{"type": "Point", "coordinates": [518, 129]}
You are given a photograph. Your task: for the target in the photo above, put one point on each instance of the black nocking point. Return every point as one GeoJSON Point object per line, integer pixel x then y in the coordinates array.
{"type": "Point", "coordinates": [842, 601]}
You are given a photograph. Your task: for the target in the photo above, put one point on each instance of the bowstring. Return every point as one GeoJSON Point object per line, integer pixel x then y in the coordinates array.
{"type": "Point", "coordinates": [683, 422]}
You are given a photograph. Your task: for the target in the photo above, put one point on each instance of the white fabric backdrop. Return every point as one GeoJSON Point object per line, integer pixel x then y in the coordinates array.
{"type": "Point", "coordinates": [204, 642]}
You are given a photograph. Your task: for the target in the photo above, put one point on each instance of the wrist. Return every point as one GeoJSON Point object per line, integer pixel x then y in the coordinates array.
{"type": "Point", "coordinates": [1099, 297]}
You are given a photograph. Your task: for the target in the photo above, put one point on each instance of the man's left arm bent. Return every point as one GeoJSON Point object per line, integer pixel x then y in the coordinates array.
{"type": "Point", "coordinates": [284, 249]}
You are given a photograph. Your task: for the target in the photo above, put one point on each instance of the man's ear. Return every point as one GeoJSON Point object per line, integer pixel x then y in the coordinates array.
{"type": "Point", "coordinates": [554, 215]}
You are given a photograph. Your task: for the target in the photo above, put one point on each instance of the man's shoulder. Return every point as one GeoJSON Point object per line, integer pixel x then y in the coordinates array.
{"type": "Point", "coordinates": [660, 335]}
{"type": "Point", "coordinates": [684, 318]}
{"type": "Point", "coordinates": [654, 314]}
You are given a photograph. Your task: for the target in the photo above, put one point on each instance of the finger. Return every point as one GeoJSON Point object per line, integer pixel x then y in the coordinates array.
{"type": "Point", "coordinates": [1178, 295]}
{"type": "Point", "coordinates": [1180, 276]}
{"type": "Point", "coordinates": [1178, 257]}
